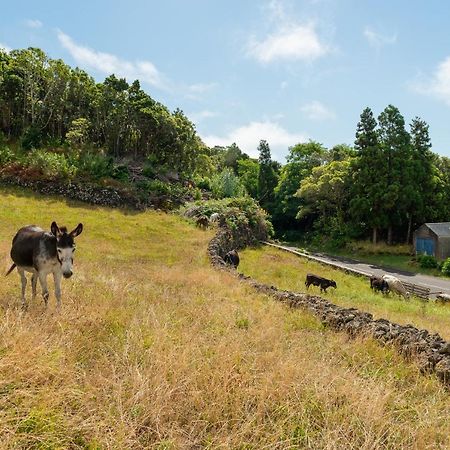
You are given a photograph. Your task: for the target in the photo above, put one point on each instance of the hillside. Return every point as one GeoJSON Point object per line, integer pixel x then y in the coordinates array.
{"type": "Point", "coordinates": [155, 349]}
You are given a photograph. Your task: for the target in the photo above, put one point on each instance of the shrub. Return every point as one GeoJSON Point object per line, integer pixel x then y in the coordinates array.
{"type": "Point", "coordinates": [226, 184]}
{"type": "Point", "coordinates": [446, 267]}
{"type": "Point", "coordinates": [6, 156]}
{"type": "Point", "coordinates": [95, 165]}
{"type": "Point", "coordinates": [427, 261]}
{"type": "Point", "coordinates": [32, 138]}
{"type": "Point", "coordinates": [51, 165]}
{"type": "Point", "coordinates": [241, 212]}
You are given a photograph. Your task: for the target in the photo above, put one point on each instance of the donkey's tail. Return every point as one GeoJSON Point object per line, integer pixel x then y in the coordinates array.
{"type": "Point", "coordinates": [11, 269]}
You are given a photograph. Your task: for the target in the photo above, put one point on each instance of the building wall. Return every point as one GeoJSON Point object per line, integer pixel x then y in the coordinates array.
{"type": "Point", "coordinates": [425, 233]}
{"type": "Point", "coordinates": [444, 247]}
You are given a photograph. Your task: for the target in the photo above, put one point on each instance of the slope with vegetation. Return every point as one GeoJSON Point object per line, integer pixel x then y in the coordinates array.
{"type": "Point", "coordinates": [155, 349]}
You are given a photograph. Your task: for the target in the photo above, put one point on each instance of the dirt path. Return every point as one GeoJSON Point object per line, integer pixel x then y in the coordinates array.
{"type": "Point", "coordinates": [435, 284]}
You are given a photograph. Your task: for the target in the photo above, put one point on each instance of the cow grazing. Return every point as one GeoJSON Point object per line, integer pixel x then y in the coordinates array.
{"type": "Point", "coordinates": [395, 285]}
{"type": "Point", "coordinates": [378, 284]}
{"type": "Point", "coordinates": [232, 258]}
{"type": "Point", "coordinates": [202, 222]}
{"type": "Point", "coordinates": [315, 280]}
{"type": "Point", "coordinates": [40, 252]}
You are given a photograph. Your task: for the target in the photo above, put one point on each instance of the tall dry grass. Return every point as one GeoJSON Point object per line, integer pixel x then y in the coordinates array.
{"type": "Point", "coordinates": [154, 349]}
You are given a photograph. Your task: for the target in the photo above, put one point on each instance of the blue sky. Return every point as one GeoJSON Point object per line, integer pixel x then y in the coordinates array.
{"type": "Point", "coordinates": [281, 70]}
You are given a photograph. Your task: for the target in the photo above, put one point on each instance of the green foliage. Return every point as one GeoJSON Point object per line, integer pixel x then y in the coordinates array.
{"type": "Point", "coordinates": [6, 155]}
{"type": "Point", "coordinates": [427, 261]}
{"type": "Point", "coordinates": [32, 138]}
{"type": "Point", "coordinates": [446, 267]}
{"type": "Point", "coordinates": [234, 212]}
{"type": "Point", "coordinates": [78, 132]}
{"type": "Point", "coordinates": [45, 99]}
{"type": "Point", "coordinates": [226, 184]}
{"type": "Point", "coordinates": [267, 177]}
{"type": "Point", "coordinates": [301, 160]}
{"type": "Point", "coordinates": [53, 166]}
{"type": "Point", "coordinates": [248, 171]}
{"type": "Point", "coordinates": [95, 165]}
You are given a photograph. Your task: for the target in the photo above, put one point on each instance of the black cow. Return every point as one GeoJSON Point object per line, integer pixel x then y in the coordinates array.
{"type": "Point", "coordinates": [232, 258]}
{"type": "Point", "coordinates": [315, 280]}
{"type": "Point", "coordinates": [378, 284]}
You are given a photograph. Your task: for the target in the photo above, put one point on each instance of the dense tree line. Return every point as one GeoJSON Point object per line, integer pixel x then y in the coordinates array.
{"type": "Point", "coordinates": [388, 184]}
{"type": "Point", "coordinates": [44, 102]}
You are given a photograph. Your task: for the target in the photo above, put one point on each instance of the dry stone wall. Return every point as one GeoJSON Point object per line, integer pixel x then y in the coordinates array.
{"type": "Point", "coordinates": [431, 352]}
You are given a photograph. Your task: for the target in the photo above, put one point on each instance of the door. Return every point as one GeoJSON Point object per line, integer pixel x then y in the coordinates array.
{"type": "Point", "coordinates": [425, 245]}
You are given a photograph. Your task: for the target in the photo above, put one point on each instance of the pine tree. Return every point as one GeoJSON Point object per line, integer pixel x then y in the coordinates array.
{"type": "Point", "coordinates": [369, 186]}
{"type": "Point", "coordinates": [400, 191]}
{"type": "Point", "coordinates": [267, 178]}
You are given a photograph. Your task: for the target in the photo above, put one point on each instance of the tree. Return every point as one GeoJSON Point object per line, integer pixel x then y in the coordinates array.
{"type": "Point", "coordinates": [325, 193]}
{"type": "Point", "coordinates": [301, 160]}
{"type": "Point", "coordinates": [368, 181]}
{"type": "Point", "coordinates": [78, 132]}
{"type": "Point", "coordinates": [248, 171]}
{"type": "Point", "coordinates": [423, 174]}
{"type": "Point", "coordinates": [267, 178]}
{"type": "Point", "coordinates": [400, 192]}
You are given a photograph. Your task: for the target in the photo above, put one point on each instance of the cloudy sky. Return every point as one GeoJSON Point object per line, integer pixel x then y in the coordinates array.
{"type": "Point", "coordinates": [281, 70]}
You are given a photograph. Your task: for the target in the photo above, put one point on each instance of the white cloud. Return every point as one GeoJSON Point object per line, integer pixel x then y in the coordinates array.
{"type": "Point", "coordinates": [195, 91]}
{"type": "Point", "coordinates": [106, 63]}
{"type": "Point", "coordinates": [378, 40]}
{"type": "Point", "coordinates": [289, 42]}
{"type": "Point", "coordinates": [438, 85]}
{"type": "Point", "coordinates": [317, 111]}
{"type": "Point", "coordinates": [33, 23]}
{"type": "Point", "coordinates": [247, 137]}
{"type": "Point", "coordinates": [284, 85]}
{"type": "Point", "coordinates": [5, 47]}
{"type": "Point", "coordinates": [199, 116]}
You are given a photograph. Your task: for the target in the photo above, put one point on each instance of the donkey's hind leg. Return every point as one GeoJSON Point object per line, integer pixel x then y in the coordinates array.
{"type": "Point", "coordinates": [34, 279]}
{"type": "Point", "coordinates": [23, 280]}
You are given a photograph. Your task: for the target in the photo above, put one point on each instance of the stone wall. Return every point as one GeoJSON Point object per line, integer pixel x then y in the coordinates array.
{"type": "Point", "coordinates": [96, 195]}
{"type": "Point", "coordinates": [430, 351]}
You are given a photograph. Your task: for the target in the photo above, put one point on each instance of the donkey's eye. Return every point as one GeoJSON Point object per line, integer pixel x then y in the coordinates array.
{"type": "Point", "coordinates": [59, 250]}
{"type": "Point", "coordinates": [73, 249]}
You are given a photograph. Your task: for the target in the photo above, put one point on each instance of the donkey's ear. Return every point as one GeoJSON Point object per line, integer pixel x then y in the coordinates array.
{"type": "Point", "coordinates": [54, 229]}
{"type": "Point", "coordinates": [77, 230]}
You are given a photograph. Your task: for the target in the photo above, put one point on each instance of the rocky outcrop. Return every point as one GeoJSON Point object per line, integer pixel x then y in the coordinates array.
{"type": "Point", "coordinates": [431, 352]}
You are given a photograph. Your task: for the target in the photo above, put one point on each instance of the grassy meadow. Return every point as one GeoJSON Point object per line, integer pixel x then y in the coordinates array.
{"type": "Point", "coordinates": [153, 349]}
{"type": "Point", "coordinates": [288, 271]}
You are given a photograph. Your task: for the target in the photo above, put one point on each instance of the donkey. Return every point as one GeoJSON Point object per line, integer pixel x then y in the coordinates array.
{"type": "Point", "coordinates": [39, 252]}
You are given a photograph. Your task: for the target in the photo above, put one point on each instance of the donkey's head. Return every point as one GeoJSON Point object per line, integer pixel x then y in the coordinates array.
{"type": "Point", "coordinates": [65, 246]}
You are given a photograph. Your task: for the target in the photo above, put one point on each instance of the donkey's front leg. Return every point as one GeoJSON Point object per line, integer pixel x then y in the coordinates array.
{"type": "Point", "coordinates": [43, 281]}
{"type": "Point", "coordinates": [57, 275]}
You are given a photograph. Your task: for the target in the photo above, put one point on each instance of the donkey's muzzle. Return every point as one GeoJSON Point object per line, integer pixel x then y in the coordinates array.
{"type": "Point", "coordinates": [67, 274]}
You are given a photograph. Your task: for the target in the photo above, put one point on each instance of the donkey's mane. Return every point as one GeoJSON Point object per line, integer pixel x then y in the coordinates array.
{"type": "Point", "coordinates": [63, 229]}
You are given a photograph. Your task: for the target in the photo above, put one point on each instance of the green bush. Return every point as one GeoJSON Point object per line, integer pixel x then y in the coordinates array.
{"type": "Point", "coordinates": [427, 261]}
{"type": "Point", "coordinates": [32, 138]}
{"type": "Point", "coordinates": [241, 212]}
{"type": "Point", "coordinates": [51, 165]}
{"type": "Point", "coordinates": [226, 184]}
{"type": "Point", "coordinates": [6, 156]}
{"type": "Point", "coordinates": [95, 165]}
{"type": "Point", "coordinates": [446, 267]}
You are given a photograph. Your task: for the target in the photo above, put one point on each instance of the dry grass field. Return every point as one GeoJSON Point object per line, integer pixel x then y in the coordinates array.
{"type": "Point", "coordinates": [155, 349]}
